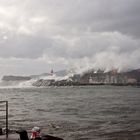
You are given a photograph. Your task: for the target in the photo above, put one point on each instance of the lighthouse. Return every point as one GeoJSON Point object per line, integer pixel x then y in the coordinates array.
{"type": "Point", "coordinates": [52, 72]}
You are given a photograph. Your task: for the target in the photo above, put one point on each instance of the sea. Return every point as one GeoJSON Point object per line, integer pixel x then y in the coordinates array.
{"type": "Point", "coordinates": [76, 113]}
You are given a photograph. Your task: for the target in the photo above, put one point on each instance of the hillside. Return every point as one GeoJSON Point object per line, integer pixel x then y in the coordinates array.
{"type": "Point", "coordinates": [16, 78]}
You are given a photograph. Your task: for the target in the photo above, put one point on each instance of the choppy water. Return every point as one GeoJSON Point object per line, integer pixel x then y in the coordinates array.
{"type": "Point", "coordinates": [76, 113]}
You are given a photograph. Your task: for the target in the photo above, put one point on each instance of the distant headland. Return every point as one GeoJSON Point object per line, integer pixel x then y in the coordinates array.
{"type": "Point", "coordinates": [90, 77]}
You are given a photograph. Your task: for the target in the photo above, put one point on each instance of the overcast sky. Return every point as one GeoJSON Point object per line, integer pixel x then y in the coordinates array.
{"type": "Point", "coordinates": [38, 35]}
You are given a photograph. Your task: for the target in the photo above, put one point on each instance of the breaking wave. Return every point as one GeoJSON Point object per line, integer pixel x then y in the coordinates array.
{"type": "Point", "coordinates": [16, 84]}
{"type": "Point", "coordinates": [29, 83]}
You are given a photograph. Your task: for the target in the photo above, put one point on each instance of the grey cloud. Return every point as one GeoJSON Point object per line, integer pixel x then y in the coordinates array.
{"type": "Point", "coordinates": [103, 15]}
{"type": "Point", "coordinates": [71, 32]}
{"type": "Point", "coordinates": [24, 47]}
{"type": "Point", "coordinates": [91, 15]}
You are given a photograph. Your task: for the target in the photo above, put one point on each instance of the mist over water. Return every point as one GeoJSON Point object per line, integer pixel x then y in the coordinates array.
{"type": "Point", "coordinates": [76, 113]}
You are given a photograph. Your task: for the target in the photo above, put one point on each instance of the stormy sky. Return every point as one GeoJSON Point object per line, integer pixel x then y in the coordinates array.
{"type": "Point", "coordinates": [39, 35]}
